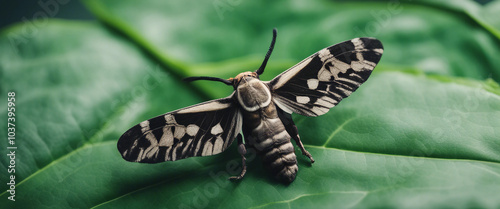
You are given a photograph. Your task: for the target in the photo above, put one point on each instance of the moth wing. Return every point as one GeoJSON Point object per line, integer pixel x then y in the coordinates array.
{"type": "Point", "coordinates": [200, 130]}
{"type": "Point", "coordinates": [322, 80]}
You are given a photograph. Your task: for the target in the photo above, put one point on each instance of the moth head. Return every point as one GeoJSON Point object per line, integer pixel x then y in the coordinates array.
{"type": "Point", "coordinates": [243, 76]}
{"type": "Point", "coordinates": [236, 80]}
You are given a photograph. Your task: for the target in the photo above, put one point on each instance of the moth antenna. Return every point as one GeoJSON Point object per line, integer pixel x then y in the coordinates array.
{"type": "Point", "coordinates": [189, 79]}
{"type": "Point", "coordinates": [264, 63]}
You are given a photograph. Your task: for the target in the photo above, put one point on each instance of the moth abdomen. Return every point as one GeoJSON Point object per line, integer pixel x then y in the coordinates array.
{"type": "Point", "coordinates": [272, 141]}
{"type": "Point", "coordinates": [281, 161]}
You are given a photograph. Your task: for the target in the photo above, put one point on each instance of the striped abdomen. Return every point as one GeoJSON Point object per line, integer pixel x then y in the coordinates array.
{"type": "Point", "coordinates": [272, 141]}
{"type": "Point", "coordinates": [264, 130]}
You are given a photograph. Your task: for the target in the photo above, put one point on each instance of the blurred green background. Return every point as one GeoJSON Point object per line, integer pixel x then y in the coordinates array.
{"type": "Point", "coordinates": [14, 11]}
{"type": "Point", "coordinates": [422, 132]}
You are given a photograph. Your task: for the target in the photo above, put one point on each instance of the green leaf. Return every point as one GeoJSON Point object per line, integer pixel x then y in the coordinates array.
{"type": "Point", "coordinates": [76, 84]}
{"type": "Point", "coordinates": [416, 160]}
{"type": "Point", "coordinates": [404, 139]}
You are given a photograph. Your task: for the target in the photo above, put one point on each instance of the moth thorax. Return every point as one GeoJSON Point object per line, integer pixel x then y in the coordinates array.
{"type": "Point", "coordinates": [253, 94]}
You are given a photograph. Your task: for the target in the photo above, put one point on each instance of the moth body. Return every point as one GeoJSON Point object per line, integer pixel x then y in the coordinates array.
{"type": "Point", "coordinates": [263, 129]}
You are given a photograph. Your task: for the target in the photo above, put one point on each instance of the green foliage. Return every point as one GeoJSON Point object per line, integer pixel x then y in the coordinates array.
{"type": "Point", "coordinates": [422, 132]}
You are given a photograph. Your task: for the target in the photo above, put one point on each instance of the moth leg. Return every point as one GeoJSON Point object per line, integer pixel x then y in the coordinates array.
{"type": "Point", "coordinates": [292, 130]}
{"type": "Point", "coordinates": [242, 150]}
{"type": "Point", "coordinates": [296, 137]}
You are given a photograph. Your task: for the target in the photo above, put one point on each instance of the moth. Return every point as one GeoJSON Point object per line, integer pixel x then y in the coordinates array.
{"type": "Point", "coordinates": [261, 110]}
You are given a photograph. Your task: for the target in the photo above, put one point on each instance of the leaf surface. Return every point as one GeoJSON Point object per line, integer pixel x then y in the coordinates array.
{"type": "Point", "coordinates": [422, 132]}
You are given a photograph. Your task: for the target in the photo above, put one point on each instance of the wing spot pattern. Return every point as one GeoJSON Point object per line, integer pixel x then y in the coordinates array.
{"type": "Point", "coordinates": [167, 135]}
{"type": "Point", "coordinates": [219, 142]}
{"type": "Point", "coordinates": [144, 126]}
{"type": "Point", "coordinates": [358, 44]}
{"type": "Point", "coordinates": [179, 132]}
{"type": "Point", "coordinates": [312, 83]}
{"type": "Point", "coordinates": [188, 145]}
{"type": "Point", "coordinates": [217, 129]}
{"type": "Point", "coordinates": [303, 99]}
{"type": "Point", "coordinates": [207, 149]}
{"type": "Point", "coordinates": [170, 120]}
{"type": "Point", "coordinates": [192, 129]}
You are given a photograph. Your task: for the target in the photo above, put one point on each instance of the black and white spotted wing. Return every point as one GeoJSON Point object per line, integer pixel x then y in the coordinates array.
{"type": "Point", "coordinates": [204, 129]}
{"type": "Point", "coordinates": [322, 80]}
